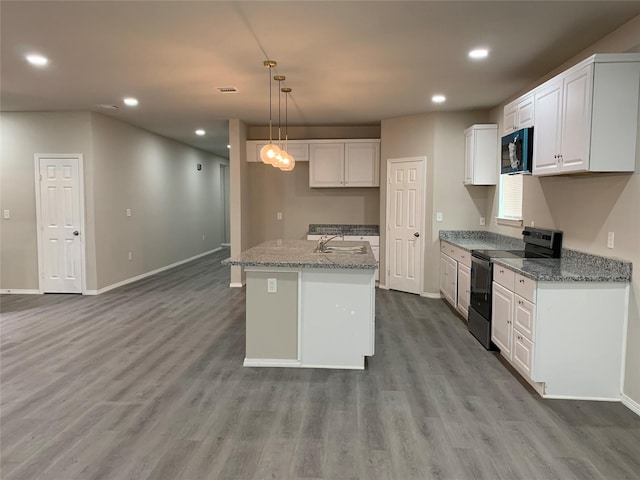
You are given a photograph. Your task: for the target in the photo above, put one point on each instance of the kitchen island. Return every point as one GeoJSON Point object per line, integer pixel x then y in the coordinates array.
{"type": "Point", "coordinates": [308, 309]}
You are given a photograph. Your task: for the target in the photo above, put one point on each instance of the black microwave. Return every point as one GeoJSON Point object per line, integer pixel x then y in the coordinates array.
{"type": "Point", "coordinates": [517, 152]}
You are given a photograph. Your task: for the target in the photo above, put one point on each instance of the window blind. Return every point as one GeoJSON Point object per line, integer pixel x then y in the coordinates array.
{"type": "Point", "coordinates": [511, 196]}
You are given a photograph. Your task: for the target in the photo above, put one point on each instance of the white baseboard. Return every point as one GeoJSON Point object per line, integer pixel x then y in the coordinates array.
{"type": "Point", "coordinates": [225, 244]}
{"type": "Point", "coordinates": [270, 362]}
{"type": "Point", "coordinates": [382, 286]}
{"type": "Point", "coordinates": [90, 292]}
{"type": "Point", "coordinates": [152, 272]}
{"type": "Point", "coordinates": [20, 291]}
{"type": "Point", "coordinates": [631, 404]}
{"type": "Point", "coordinates": [430, 295]}
{"type": "Point", "coordinates": [574, 397]}
{"type": "Point", "coordinates": [236, 284]}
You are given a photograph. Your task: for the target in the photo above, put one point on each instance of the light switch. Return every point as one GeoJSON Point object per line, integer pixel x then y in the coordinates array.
{"type": "Point", "coordinates": [128, 212]}
{"type": "Point", "coordinates": [279, 216]}
{"type": "Point", "coordinates": [6, 215]}
{"type": "Point", "coordinates": [439, 216]}
{"type": "Point", "coordinates": [272, 285]}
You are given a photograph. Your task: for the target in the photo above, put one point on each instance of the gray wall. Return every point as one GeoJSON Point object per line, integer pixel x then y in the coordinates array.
{"type": "Point", "coordinates": [173, 204]}
{"type": "Point", "coordinates": [439, 137]}
{"type": "Point", "coordinates": [21, 136]}
{"type": "Point", "coordinates": [272, 191]}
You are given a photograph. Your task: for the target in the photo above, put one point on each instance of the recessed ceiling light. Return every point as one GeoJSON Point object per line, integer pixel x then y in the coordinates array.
{"type": "Point", "coordinates": [438, 98]}
{"type": "Point", "coordinates": [130, 101]}
{"type": "Point", "coordinates": [37, 60]}
{"type": "Point", "coordinates": [479, 53]}
{"type": "Point", "coordinates": [200, 132]}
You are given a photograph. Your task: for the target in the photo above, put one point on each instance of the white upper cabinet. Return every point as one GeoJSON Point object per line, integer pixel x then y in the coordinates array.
{"type": "Point", "coordinates": [586, 119]}
{"type": "Point", "coordinates": [519, 114]}
{"type": "Point", "coordinates": [481, 155]}
{"type": "Point", "coordinates": [344, 164]}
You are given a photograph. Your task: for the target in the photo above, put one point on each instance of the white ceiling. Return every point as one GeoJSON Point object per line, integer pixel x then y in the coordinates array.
{"type": "Point", "coordinates": [348, 63]}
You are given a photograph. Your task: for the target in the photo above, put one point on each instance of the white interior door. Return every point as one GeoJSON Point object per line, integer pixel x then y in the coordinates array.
{"type": "Point", "coordinates": [60, 218]}
{"type": "Point", "coordinates": [405, 199]}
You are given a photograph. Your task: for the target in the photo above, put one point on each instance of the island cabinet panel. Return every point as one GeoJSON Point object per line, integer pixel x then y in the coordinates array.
{"type": "Point", "coordinates": [272, 317]}
{"type": "Point", "coordinates": [338, 308]}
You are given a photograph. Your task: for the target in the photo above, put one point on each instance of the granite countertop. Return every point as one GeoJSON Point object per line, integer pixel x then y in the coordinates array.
{"type": "Point", "coordinates": [573, 266]}
{"type": "Point", "coordinates": [480, 240]}
{"type": "Point", "coordinates": [344, 229]}
{"type": "Point", "coordinates": [299, 254]}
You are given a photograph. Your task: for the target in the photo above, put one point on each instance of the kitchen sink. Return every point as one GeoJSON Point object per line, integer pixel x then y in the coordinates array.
{"type": "Point", "coordinates": [358, 249]}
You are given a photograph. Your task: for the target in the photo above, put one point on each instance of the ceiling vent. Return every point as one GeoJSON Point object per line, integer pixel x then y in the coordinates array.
{"type": "Point", "coordinates": [227, 90]}
{"type": "Point", "coordinates": [108, 106]}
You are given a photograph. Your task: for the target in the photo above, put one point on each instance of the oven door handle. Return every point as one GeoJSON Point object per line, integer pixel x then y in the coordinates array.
{"type": "Point", "coordinates": [482, 262]}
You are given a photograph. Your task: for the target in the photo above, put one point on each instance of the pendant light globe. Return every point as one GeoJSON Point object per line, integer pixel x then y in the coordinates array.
{"type": "Point", "coordinates": [269, 153]}
{"type": "Point", "coordinates": [290, 165]}
{"type": "Point", "coordinates": [281, 159]}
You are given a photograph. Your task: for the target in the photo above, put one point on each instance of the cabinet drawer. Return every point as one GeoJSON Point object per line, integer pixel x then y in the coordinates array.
{"type": "Point", "coordinates": [463, 257]}
{"type": "Point", "coordinates": [458, 254]}
{"type": "Point", "coordinates": [525, 287]}
{"type": "Point", "coordinates": [522, 354]}
{"type": "Point", "coordinates": [524, 316]}
{"type": "Point", "coordinates": [504, 276]}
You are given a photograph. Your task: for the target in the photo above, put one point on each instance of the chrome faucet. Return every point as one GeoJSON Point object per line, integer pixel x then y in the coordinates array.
{"type": "Point", "coordinates": [323, 242]}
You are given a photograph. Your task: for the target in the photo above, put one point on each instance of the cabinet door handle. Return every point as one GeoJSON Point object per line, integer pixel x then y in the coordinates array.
{"type": "Point", "coordinates": [521, 280]}
{"type": "Point", "coordinates": [519, 302]}
{"type": "Point", "coordinates": [501, 271]}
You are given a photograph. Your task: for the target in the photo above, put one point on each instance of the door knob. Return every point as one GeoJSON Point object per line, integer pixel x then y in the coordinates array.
{"type": "Point", "coordinates": [76, 233]}
{"type": "Point", "coordinates": [416, 234]}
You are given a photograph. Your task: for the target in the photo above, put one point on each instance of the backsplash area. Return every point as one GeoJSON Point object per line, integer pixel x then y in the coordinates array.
{"type": "Point", "coordinates": [343, 229]}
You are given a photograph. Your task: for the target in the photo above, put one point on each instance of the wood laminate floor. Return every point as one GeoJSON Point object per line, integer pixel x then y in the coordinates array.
{"type": "Point", "coordinates": [146, 382]}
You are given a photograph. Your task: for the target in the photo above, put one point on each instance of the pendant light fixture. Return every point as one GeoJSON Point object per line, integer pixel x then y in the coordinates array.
{"type": "Point", "coordinates": [290, 162]}
{"type": "Point", "coordinates": [282, 158]}
{"type": "Point", "coordinates": [269, 152]}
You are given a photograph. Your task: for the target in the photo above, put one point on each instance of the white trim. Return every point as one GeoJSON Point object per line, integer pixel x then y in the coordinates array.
{"type": "Point", "coordinates": [90, 292]}
{"type": "Point", "coordinates": [236, 285]}
{"type": "Point", "coordinates": [631, 404]}
{"type": "Point", "coordinates": [382, 286]}
{"type": "Point", "coordinates": [336, 367]}
{"type": "Point", "coordinates": [270, 362]}
{"type": "Point", "coordinates": [511, 222]}
{"type": "Point", "coordinates": [153, 272]}
{"type": "Point", "coordinates": [83, 246]}
{"type": "Point", "coordinates": [573, 397]}
{"type": "Point", "coordinates": [431, 295]}
{"type": "Point", "coordinates": [625, 331]}
{"type": "Point", "coordinates": [423, 202]}
{"type": "Point", "coordinates": [20, 291]}
{"type": "Point", "coordinates": [225, 244]}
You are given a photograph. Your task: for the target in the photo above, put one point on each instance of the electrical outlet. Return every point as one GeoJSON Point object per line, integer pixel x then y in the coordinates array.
{"type": "Point", "coordinates": [483, 221]}
{"type": "Point", "coordinates": [279, 216]}
{"type": "Point", "coordinates": [130, 256]}
{"type": "Point", "coordinates": [128, 212]}
{"type": "Point", "coordinates": [533, 224]}
{"type": "Point", "coordinates": [610, 239]}
{"type": "Point", "coordinates": [6, 214]}
{"type": "Point", "coordinates": [272, 285]}
{"type": "Point", "coordinates": [439, 216]}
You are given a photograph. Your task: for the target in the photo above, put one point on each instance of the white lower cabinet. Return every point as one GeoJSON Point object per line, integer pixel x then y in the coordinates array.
{"type": "Point", "coordinates": [455, 277]}
{"type": "Point", "coordinates": [449, 278]}
{"type": "Point", "coordinates": [565, 338]}
{"type": "Point", "coordinates": [502, 319]}
{"type": "Point", "coordinates": [464, 289]}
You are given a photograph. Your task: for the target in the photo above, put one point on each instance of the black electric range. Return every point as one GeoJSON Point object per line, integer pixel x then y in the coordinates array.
{"type": "Point", "coordinates": [539, 243]}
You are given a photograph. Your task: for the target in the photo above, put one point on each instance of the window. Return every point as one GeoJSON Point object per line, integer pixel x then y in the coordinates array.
{"type": "Point", "coordinates": [510, 197]}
